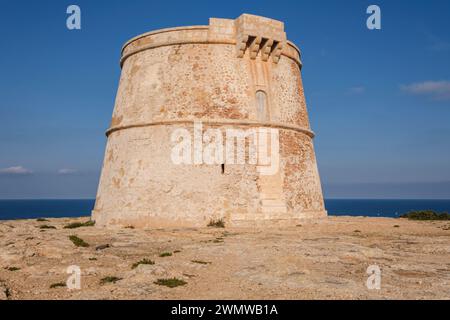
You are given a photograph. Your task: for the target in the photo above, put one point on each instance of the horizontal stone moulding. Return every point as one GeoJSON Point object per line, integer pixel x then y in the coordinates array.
{"type": "Point", "coordinates": [253, 124]}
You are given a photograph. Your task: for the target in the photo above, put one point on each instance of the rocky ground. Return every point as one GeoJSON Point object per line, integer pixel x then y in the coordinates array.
{"type": "Point", "coordinates": [316, 260]}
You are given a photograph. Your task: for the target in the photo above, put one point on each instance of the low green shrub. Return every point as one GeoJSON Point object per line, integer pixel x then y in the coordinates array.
{"type": "Point", "coordinates": [75, 225]}
{"type": "Point", "coordinates": [143, 261]}
{"type": "Point", "coordinates": [217, 223]}
{"type": "Point", "coordinates": [78, 241]}
{"type": "Point", "coordinates": [110, 279]}
{"type": "Point", "coordinates": [426, 215]}
{"type": "Point", "coordinates": [171, 283]}
{"type": "Point", "coordinates": [165, 254]}
{"type": "Point", "coordinates": [57, 285]}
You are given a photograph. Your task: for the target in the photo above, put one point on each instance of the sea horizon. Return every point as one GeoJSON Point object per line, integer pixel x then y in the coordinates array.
{"type": "Point", "coordinates": [14, 209]}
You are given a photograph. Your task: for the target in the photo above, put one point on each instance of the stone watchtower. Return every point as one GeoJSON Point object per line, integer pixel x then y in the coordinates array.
{"type": "Point", "coordinates": [238, 74]}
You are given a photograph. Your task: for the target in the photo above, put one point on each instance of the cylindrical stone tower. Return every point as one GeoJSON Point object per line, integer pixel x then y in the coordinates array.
{"type": "Point", "coordinates": [180, 87]}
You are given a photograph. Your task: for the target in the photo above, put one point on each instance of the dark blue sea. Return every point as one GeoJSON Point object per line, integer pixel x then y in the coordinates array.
{"type": "Point", "coordinates": [32, 209]}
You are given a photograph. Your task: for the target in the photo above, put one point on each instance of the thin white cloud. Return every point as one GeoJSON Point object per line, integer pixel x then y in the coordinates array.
{"type": "Point", "coordinates": [437, 90]}
{"type": "Point", "coordinates": [356, 90]}
{"type": "Point", "coordinates": [437, 44]}
{"type": "Point", "coordinates": [67, 171]}
{"type": "Point", "coordinates": [18, 170]}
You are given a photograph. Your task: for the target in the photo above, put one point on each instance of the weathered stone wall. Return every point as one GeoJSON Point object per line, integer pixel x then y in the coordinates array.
{"type": "Point", "coordinates": [173, 77]}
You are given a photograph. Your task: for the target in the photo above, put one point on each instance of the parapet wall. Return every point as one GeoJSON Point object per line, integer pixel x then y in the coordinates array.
{"type": "Point", "coordinates": [244, 32]}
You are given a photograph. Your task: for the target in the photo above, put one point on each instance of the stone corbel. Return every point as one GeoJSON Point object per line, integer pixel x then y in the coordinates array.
{"type": "Point", "coordinates": [254, 47]}
{"type": "Point", "coordinates": [256, 44]}
{"type": "Point", "coordinates": [276, 52]}
{"type": "Point", "coordinates": [242, 45]}
{"type": "Point", "coordinates": [266, 49]}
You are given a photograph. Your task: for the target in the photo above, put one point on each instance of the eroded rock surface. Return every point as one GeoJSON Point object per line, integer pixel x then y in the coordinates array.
{"type": "Point", "coordinates": [317, 260]}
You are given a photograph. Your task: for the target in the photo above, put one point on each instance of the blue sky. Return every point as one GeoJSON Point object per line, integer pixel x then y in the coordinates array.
{"type": "Point", "coordinates": [378, 100]}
